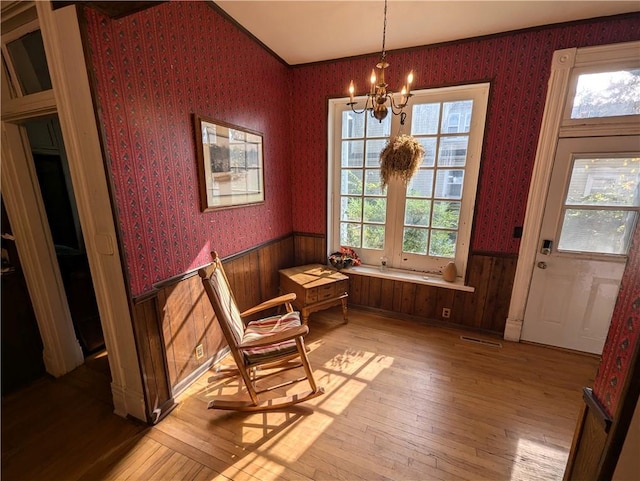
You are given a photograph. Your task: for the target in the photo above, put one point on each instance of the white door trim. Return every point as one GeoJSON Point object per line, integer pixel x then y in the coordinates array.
{"type": "Point", "coordinates": [563, 63]}
{"type": "Point", "coordinates": [65, 57]}
{"type": "Point", "coordinates": [61, 352]}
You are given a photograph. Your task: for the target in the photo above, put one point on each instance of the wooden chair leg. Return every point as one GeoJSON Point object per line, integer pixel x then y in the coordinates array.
{"type": "Point", "coordinates": [305, 364]}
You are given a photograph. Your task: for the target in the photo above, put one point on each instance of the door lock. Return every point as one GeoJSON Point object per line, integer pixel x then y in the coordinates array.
{"type": "Point", "coordinates": [542, 265]}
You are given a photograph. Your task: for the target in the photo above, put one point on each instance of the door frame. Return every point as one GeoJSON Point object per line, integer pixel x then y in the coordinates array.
{"type": "Point", "coordinates": [555, 124]}
{"type": "Point", "coordinates": [74, 106]}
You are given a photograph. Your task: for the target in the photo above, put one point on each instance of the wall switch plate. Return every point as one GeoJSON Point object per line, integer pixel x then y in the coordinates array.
{"type": "Point", "coordinates": [199, 351]}
{"type": "Point", "coordinates": [446, 313]}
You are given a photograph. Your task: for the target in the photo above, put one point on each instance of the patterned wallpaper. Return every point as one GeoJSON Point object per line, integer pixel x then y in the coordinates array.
{"type": "Point", "coordinates": [624, 334]}
{"type": "Point", "coordinates": [518, 67]}
{"type": "Point", "coordinates": [153, 70]}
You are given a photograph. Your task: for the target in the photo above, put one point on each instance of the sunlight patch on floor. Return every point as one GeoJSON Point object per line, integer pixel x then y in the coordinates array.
{"type": "Point", "coordinates": [343, 377]}
{"type": "Point", "coordinates": [537, 460]}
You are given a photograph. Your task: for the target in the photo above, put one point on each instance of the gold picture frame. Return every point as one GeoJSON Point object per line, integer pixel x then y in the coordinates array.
{"type": "Point", "coordinates": [230, 164]}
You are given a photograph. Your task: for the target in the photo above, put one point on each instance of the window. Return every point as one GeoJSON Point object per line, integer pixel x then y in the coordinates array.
{"type": "Point", "coordinates": [607, 94]}
{"type": "Point", "coordinates": [427, 223]}
{"type": "Point", "coordinates": [601, 205]}
{"type": "Point", "coordinates": [24, 60]}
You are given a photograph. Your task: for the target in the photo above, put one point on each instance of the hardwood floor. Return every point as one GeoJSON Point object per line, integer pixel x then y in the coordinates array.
{"type": "Point", "coordinates": [403, 401]}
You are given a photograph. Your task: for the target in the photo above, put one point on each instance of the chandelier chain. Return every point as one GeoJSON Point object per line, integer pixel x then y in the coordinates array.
{"type": "Point", "coordinates": [384, 31]}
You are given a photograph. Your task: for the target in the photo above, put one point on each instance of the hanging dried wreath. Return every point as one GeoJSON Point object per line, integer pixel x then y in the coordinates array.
{"type": "Point", "coordinates": [400, 157]}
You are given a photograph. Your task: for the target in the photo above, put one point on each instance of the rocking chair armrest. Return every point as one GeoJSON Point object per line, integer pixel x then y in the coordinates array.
{"type": "Point", "coordinates": [275, 302]}
{"type": "Point", "coordinates": [287, 334]}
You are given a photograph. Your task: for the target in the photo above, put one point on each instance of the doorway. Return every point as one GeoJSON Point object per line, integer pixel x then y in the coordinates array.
{"type": "Point", "coordinates": [54, 179]}
{"type": "Point", "coordinates": [592, 113]}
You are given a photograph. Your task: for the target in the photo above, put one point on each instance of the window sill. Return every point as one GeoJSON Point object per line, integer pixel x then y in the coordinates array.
{"type": "Point", "coordinates": [408, 276]}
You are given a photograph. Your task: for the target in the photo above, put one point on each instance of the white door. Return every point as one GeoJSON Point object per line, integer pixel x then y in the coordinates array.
{"type": "Point", "coordinates": [590, 213]}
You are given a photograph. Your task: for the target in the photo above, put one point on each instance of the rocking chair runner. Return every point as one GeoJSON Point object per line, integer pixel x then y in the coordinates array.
{"type": "Point", "coordinates": [273, 343]}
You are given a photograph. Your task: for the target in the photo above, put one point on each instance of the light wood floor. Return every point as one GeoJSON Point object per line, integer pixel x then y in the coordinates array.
{"type": "Point", "coordinates": [403, 401]}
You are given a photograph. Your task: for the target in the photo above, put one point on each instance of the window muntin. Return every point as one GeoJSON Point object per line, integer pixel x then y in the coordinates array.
{"type": "Point", "coordinates": [601, 206]}
{"type": "Point", "coordinates": [425, 224]}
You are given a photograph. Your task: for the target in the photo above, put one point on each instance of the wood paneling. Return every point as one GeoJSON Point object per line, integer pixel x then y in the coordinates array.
{"type": "Point", "coordinates": [152, 358]}
{"type": "Point", "coordinates": [309, 249]}
{"type": "Point", "coordinates": [178, 317]}
{"type": "Point", "coordinates": [171, 322]}
{"type": "Point", "coordinates": [485, 309]}
{"type": "Point", "coordinates": [589, 449]}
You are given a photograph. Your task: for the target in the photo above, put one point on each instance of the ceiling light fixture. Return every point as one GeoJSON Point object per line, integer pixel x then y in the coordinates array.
{"type": "Point", "coordinates": [377, 98]}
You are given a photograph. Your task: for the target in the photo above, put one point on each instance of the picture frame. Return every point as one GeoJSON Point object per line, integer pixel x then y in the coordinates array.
{"type": "Point", "coordinates": [230, 164]}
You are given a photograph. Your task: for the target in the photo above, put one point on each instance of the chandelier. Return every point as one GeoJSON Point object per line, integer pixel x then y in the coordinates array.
{"type": "Point", "coordinates": [380, 100]}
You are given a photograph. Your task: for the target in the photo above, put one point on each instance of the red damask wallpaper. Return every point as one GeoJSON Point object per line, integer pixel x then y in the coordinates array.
{"type": "Point", "coordinates": [624, 334]}
{"type": "Point", "coordinates": [153, 70]}
{"type": "Point", "coordinates": [518, 67]}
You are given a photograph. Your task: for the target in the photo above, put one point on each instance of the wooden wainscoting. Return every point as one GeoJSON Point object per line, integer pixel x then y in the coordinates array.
{"type": "Point", "coordinates": [309, 248]}
{"type": "Point", "coordinates": [151, 356]}
{"type": "Point", "coordinates": [485, 309]}
{"type": "Point", "coordinates": [173, 320]}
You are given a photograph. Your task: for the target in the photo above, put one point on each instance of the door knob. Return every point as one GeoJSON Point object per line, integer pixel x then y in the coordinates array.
{"type": "Point", "coordinates": [542, 265]}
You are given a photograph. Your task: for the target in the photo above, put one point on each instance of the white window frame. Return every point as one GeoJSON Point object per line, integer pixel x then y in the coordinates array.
{"type": "Point", "coordinates": [479, 93]}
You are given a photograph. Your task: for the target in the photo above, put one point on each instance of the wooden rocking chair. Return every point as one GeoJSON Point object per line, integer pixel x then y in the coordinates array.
{"type": "Point", "coordinates": [274, 344]}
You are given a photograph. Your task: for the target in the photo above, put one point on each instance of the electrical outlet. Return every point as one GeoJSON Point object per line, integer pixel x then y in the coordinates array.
{"type": "Point", "coordinates": [446, 313]}
{"type": "Point", "coordinates": [199, 351]}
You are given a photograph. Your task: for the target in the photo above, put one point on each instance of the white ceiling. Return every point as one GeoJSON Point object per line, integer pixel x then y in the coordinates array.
{"type": "Point", "coordinates": [302, 31]}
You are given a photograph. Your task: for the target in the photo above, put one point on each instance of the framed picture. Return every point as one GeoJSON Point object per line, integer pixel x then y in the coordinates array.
{"type": "Point", "coordinates": [230, 166]}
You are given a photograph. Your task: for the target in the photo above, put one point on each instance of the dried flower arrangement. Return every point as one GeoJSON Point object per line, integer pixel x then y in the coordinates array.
{"type": "Point", "coordinates": [345, 257]}
{"type": "Point", "coordinates": [400, 157]}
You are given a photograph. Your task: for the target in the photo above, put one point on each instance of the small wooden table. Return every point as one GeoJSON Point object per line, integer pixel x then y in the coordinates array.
{"type": "Point", "coordinates": [316, 287]}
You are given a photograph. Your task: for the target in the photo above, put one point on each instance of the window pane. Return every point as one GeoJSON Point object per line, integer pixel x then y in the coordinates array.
{"type": "Point", "coordinates": [373, 236]}
{"type": "Point", "coordinates": [417, 212]}
{"type": "Point", "coordinates": [351, 182]}
{"type": "Point", "coordinates": [456, 117]}
{"type": "Point", "coordinates": [453, 151]}
{"type": "Point", "coordinates": [421, 184]}
{"type": "Point", "coordinates": [30, 63]}
{"type": "Point", "coordinates": [352, 125]}
{"type": "Point", "coordinates": [375, 209]}
{"type": "Point", "coordinates": [607, 94]}
{"type": "Point", "coordinates": [372, 184]}
{"type": "Point", "coordinates": [429, 144]}
{"type": "Point", "coordinates": [352, 152]}
{"type": "Point", "coordinates": [350, 234]}
{"type": "Point", "coordinates": [443, 243]}
{"type": "Point", "coordinates": [376, 128]}
{"type": "Point", "coordinates": [446, 214]}
{"type": "Point", "coordinates": [351, 208]}
{"type": "Point", "coordinates": [374, 147]}
{"type": "Point", "coordinates": [425, 119]}
{"type": "Point", "coordinates": [449, 184]}
{"type": "Point", "coordinates": [605, 182]}
{"type": "Point", "coordinates": [597, 231]}
{"type": "Point", "coordinates": [414, 241]}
